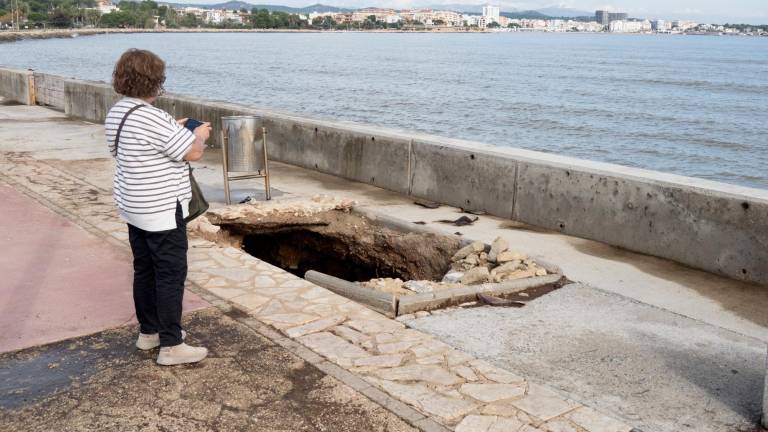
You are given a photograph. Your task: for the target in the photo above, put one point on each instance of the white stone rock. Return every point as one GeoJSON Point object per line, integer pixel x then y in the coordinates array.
{"type": "Point", "coordinates": [381, 361]}
{"type": "Point", "coordinates": [478, 423]}
{"type": "Point", "coordinates": [456, 357]}
{"type": "Point", "coordinates": [395, 347]}
{"type": "Point", "coordinates": [496, 374]}
{"type": "Point", "coordinates": [225, 261]}
{"type": "Point", "coordinates": [519, 274]}
{"type": "Point", "coordinates": [315, 326]}
{"type": "Point", "coordinates": [462, 253]}
{"type": "Point", "coordinates": [544, 403]}
{"type": "Point", "coordinates": [250, 301]}
{"type": "Point", "coordinates": [472, 259]}
{"type": "Point", "coordinates": [499, 245]}
{"type": "Point", "coordinates": [417, 286]}
{"type": "Point", "coordinates": [422, 314]}
{"type": "Point", "coordinates": [445, 407]}
{"type": "Point", "coordinates": [333, 348]}
{"type": "Point", "coordinates": [509, 256]}
{"type": "Point", "coordinates": [465, 372]}
{"type": "Point", "coordinates": [285, 320]}
{"type": "Point", "coordinates": [406, 317]}
{"type": "Point", "coordinates": [434, 359]}
{"type": "Point", "coordinates": [476, 275]}
{"type": "Point", "coordinates": [492, 392]}
{"type": "Point", "coordinates": [508, 267]}
{"type": "Point", "coordinates": [234, 274]}
{"type": "Point", "coordinates": [264, 281]}
{"type": "Point", "coordinates": [372, 326]}
{"type": "Point", "coordinates": [422, 373]}
{"type": "Point", "coordinates": [559, 425]}
{"type": "Point", "coordinates": [430, 347]}
{"type": "Point", "coordinates": [453, 277]}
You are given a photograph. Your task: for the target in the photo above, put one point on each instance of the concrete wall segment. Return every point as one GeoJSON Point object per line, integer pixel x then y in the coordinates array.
{"type": "Point", "coordinates": [17, 85]}
{"type": "Point", "coordinates": [709, 225]}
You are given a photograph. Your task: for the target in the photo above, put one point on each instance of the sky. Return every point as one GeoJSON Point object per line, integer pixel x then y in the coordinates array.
{"type": "Point", "coordinates": [708, 11]}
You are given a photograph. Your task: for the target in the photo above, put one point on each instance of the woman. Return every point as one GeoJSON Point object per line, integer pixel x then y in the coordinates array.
{"type": "Point", "coordinates": [152, 192]}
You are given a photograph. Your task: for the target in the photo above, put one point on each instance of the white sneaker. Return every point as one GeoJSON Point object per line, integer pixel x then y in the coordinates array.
{"type": "Point", "coordinates": [180, 354]}
{"type": "Point", "coordinates": [151, 341]}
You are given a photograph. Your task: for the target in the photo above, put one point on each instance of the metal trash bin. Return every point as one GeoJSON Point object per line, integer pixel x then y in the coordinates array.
{"type": "Point", "coordinates": [244, 151]}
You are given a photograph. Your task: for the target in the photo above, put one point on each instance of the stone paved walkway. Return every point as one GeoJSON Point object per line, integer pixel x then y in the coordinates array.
{"type": "Point", "coordinates": [447, 385]}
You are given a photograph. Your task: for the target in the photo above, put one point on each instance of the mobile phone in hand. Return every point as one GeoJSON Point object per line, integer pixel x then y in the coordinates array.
{"type": "Point", "coordinates": [192, 124]}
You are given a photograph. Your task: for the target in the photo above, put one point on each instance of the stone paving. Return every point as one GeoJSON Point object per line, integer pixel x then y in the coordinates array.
{"type": "Point", "coordinates": [449, 386]}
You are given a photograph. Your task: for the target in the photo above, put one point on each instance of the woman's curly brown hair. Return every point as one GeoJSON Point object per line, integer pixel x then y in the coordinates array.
{"type": "Point", "coordinates": [139, 73]}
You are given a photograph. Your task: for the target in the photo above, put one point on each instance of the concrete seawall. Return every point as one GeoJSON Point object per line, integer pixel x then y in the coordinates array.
{"type": "Point", "coordinates": [708, 225]}
{"type": "Point", "coordinates": [17, 85]}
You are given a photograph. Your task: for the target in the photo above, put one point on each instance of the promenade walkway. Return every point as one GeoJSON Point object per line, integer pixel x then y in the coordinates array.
{"type": "Point", "coordinates": [426, 382]}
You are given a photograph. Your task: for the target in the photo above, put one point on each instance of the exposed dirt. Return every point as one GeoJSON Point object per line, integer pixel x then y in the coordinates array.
{"type": "Point", "coordinates": [103, 383]}
{"type": "Point", "coordinates": [335, 242]}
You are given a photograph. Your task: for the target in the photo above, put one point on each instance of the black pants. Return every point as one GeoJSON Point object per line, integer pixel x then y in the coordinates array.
{"type": "Point", "coordinates": [159, 272]}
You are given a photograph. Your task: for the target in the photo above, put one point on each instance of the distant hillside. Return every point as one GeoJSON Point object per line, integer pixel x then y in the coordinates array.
{"type": "Point", "coordinates": [237, 5]}
{"type": "Point", "coordinates": [457, 7]}
{"type": "Point", "coordinates": [530, 14]}
{"type": "Point", "coordinates": [565, 12]}
{"type": "Point", "coordinates": [478, 9]}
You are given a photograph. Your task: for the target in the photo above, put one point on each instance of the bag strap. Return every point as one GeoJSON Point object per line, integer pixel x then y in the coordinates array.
{"type": "Point", "coordinates": [122, 122]}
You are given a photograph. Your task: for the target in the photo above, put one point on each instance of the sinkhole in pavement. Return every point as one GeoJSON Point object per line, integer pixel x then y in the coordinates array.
{"type": "Point", "coordinates": [346, 246]}
{"type": "Point", "coordinates": [390, 265]}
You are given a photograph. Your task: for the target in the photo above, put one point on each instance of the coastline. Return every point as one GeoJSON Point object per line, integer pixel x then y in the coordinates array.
{"type": "Point", "coordinates": [14, 36]}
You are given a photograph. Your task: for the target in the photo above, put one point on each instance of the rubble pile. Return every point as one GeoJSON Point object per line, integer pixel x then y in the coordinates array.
{"type": "Point", "coordinates": [471, 265]}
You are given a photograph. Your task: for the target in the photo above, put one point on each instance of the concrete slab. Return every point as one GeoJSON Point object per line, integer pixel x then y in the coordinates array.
{"type": "Point", "coordinates": [660, 371]}
{"type": "Point", "coordinates": [59, 281]}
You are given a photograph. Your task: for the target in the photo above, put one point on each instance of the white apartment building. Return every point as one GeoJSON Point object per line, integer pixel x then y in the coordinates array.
{"type": "Point", "coordinates": [683, 25]}
{"type": "Point", "coordinates": [105, 7]}
{"type": "Point", "coordinates": [660, 25]}
{"type": "Point", "coordinates": [592, 26]}
{"type": "Point", "coordinates": [491, 13]}
{"type": "Point", "coordinates": [361, 15]}
{"type": "Point", "coordinates": [470, 20]}
{"type": "Point", "coordinates": [198, 12]}
{"type": "Point", "coordinates": [213, 16]}
{"type": "Point", "coordinates": [624, 26]}
{"type": "Point", "coordinates": [392, 19]}
{"type": "Point", "coordinates": [450, 18]}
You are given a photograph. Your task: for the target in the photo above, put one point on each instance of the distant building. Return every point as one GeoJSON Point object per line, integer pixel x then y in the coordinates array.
{"type": "Point", "coordinates": [451, 19]}
{"type": "Point", "coordinates": [601, 17]}
{"type": "Point", "coordinates": [606, 18]}
{"type": "Point", "coordinates": [617, 16]}
{"type": "Point", "coordinates": [659, 25]}
{"type": "Point", "coordinates": [683, 25]}
{"type": "Point", "coordinates": [105, 7]}
{"type": "Point", "coordinates": [491, 13]}
{"type": "Point", "coordinates": [379, 14]}
{"type": "Point", "coordinates": [624, 26]}
{"type": "Point", "coordinates": [392, 19]}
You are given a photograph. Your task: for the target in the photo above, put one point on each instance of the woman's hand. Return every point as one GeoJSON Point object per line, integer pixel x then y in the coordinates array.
{"type": "Point", "coordinates": [203, 131]}
{"type": "Point", "coordinates": [181, 121]}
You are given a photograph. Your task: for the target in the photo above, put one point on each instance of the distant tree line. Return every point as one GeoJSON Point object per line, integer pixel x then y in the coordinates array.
{"type": "Point", "coordinates": [53, 13]}
{"type": "Point", "coordinates": [148, 14]}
